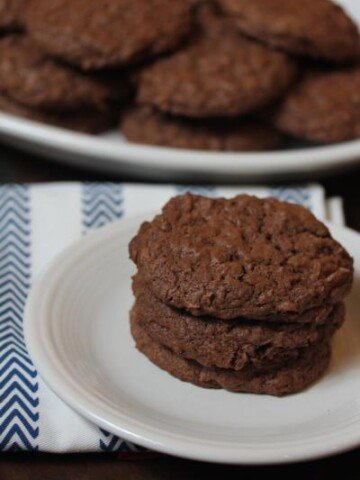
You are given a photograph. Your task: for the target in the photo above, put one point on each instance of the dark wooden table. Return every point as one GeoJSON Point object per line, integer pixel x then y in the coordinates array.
{"type": "Point", "coordinates": [20, 167]}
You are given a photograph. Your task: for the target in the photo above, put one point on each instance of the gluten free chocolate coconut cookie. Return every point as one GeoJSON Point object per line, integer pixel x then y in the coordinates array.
{"type": "Point", "coordinates": [93, 34]}
{"type": "Point", "coordinates": [233, 345]}
{"type": "Point", "coordinates": [315, 28]}
{"type": "Point", "coordinates": [30, 78]}
{"type": "Point", "coordinates": [290, 378]}
{"type": "Point", "coordinates": [85, 121]}
{"type": "Point", "coordinates": [217, 75]}
{"type": "Point", "coordinates": [243, 257]}
{"type": "Point", "coordinates": [145, 125]}
{"type": "Point", "coordinates": [323, 107]}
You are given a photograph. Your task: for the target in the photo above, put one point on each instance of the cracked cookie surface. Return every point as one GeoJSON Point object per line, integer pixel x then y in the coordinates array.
{"type": "Point", "coordinates": [30, 78]}
{"type": "Point", "coordinates": [324, 107]}
{"type": "Point", "coordinates": [241, 257]}
{"type": "Point", "coordinates": [235, 344]}
{"type": "Point", "coordinates": [315, 28]}
{"type": "Point", "coordinates": [291, 378]}
{"type": "Point", "coordinates": [93, 34]}
{"type": "Point", "coordinates": [218, 75]}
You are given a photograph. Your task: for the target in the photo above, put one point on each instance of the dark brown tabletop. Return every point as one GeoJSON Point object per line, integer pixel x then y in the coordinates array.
{"type": "Point", "coordinates": [16, 166]}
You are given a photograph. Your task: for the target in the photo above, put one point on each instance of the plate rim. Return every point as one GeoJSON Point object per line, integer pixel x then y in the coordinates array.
{"type": "Point", "coordinates": [86, 149]}
{"type": "Point", "coordinates": [164, 441]}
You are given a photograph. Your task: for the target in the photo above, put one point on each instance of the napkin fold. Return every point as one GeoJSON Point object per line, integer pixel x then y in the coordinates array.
{"type": "Point", "coordinates": [36, 223]}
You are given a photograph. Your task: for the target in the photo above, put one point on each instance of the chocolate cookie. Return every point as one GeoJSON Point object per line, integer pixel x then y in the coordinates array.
{"type": "Point", "coordinates": [144, 125]}
{"type": "Point", "coordinates": [12, 14]}
{"type": "Point", "coordinates": [93, 34]}
{"type": "Point", "coordinates": [86, 121]}
{"type": "Point", "coordinates": [323, 107]}
{"type": "Point", "coordinates": [235, 344]}
{"type": "Point", "coordinates": [314, 28]}
{"type": "Point", "coordinates": [32, 79]}
{"type": "Point", "coordinates": [240, 257]}
{"type": "Point", "coordinates": [211, 22]}
{"type": "Point", "coordinates": [291, 378]}
{"type": "Point", "coordinates": [217, 75]}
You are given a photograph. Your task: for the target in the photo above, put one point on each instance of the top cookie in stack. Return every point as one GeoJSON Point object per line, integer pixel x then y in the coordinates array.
{"type": "Point", "coordinates": [241, 257]}
{"type": "Point", "coordinates": [243, 294]}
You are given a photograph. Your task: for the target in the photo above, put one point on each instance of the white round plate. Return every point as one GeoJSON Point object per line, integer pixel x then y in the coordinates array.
{"type": "Point", "coordinates": [77, 331]}
{"type": "Point", "coordinates": [111, 153]}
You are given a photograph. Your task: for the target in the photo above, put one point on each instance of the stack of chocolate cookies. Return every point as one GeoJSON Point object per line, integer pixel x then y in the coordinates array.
{"type": "Point", "coordinates": [243, 294]}
{"type": "Point", "coordinates": [221, 75]}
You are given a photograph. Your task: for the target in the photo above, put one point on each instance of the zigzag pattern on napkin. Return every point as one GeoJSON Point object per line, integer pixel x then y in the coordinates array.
{"type": "Point", "coordinates": [112, 443]}
{"type": "Point", "coordinates": [19, 400]}
{"type": "Point", "coordinates": [205, 190]}
{"type": "Point", "coordinates": [299, 195]}
{"type": "Point", "coordinates": [103, 203]}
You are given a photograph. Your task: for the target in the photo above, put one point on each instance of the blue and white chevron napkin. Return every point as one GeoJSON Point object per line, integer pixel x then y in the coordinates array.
{"type": "Point", "coordinates": [36, 223]}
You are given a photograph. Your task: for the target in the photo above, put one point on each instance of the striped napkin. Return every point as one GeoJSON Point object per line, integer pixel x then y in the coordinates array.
{"type": "Point", "coordinates": [36, 223]}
